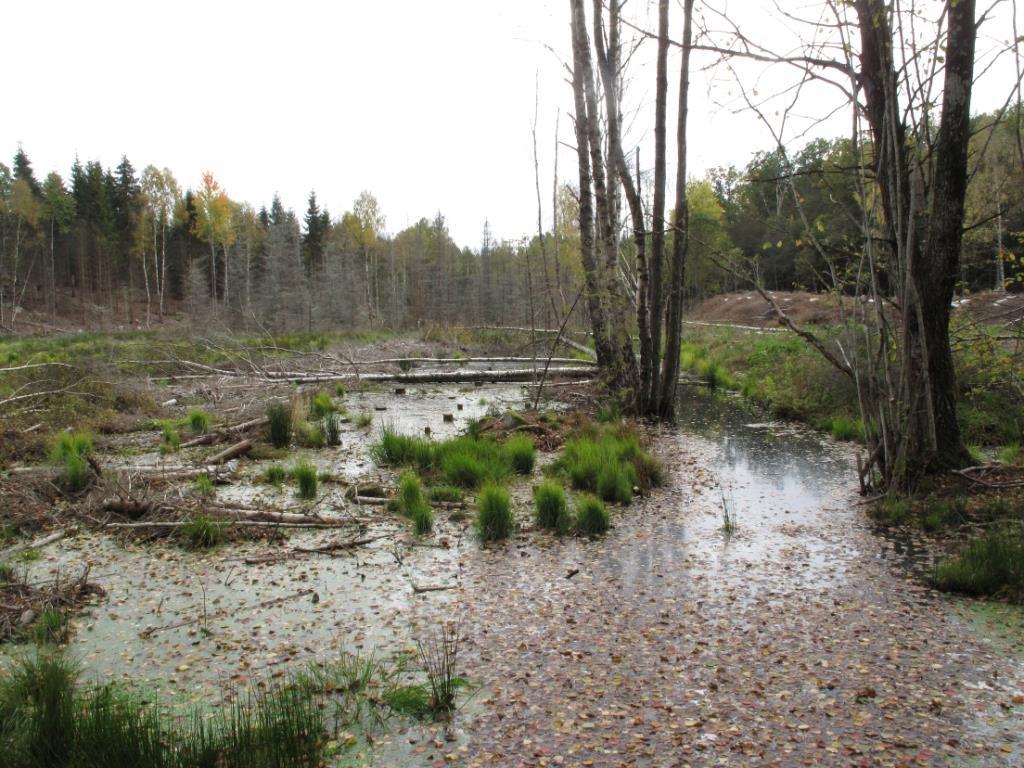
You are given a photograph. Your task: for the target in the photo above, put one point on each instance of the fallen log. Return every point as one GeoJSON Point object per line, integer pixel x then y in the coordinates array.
{"type": "Point", "coordinates": [236, 450]}
{"type": "Point", "coordinates": [419, 590]}
{"type": "Point", "coordinates": [465, 360]}
{"type": "Point", "coordinates": [38, 544]}
{"type": "Point", "coordinates": [240, 523]}
{"type": "Point", "coordinates": [224, 433]}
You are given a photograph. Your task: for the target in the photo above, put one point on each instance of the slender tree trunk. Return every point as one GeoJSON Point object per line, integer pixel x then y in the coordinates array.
{"type": "Point", "coordinates": [595, 303]}
{"type": "Point", "coordinates": [680, 238]}
{"type": "Point", "coordinates": [657, 259]}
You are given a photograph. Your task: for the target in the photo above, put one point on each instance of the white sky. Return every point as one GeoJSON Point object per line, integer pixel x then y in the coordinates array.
{"type": "Point", "coordinates": [426, 103]}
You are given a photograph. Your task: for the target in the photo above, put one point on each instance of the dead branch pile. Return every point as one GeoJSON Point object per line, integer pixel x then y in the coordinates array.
{"type": "Point", "coordinates": [22, 603]}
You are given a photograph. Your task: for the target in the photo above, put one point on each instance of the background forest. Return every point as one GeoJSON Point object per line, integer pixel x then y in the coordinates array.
{"type": "Point", "coordinates": [116, 247]}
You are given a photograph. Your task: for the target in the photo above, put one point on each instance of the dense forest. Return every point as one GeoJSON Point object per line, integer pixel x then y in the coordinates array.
{"type": "Point", "coordinates": [119, 247]}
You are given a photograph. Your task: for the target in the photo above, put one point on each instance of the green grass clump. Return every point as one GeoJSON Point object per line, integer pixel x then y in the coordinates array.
{"type": "Point", "coordinates": [615, 482]}
{"type": "Point", "coordinates": [943, 513]}
{"type": "Point", "coordinates": [202, 532]}
{"type": "Point", "coordinates": [203, 486]}
{"type": "Point", "coordinates": [70, 452]}
{"type": "Point", "coordinates": [309, 435]}
{"type": "Point", "coordinates": [330, 427]}
{"type": "Point", "coordinates": [992, 565]}
{"type": "Point", "coordinates": [592, 518]}
{"type": "Point", "coordinates": [306, 479]}
{"type": "Point", "coordinates": [609, 463]}
{"type": "Point", "coordinates": [423, 520]}
{"type": "Point", "coordinates": [275, 475]}
{"type": "Point", "coordinates": [449, 493]}
{"type": "Point", "coordinates": [398, 450]}
{"type": "Point", "coordinates": [409, 700]}
{"type": "Point", "coordinates": [48, 721]}
{"type": "Point", "coordinates": [321, 405]}
{"type": "Point", "coordinates": [410, 493]}
{"type": "Point", "coordinates": [170, 439]}
{"type": "Point", "coordinates": [362, 420]}
{"type": "Point", "coordinates": [1011, 454]}
{"type": "Point", "coordinates": [50, 628]}
{"type": "Point", "coordinates": [552, 511]}
{"type": "Point", "coordinates": [279, 425]}
{"type": "Point", "coordinates": [521, 454]}
{"type": "Point", "coordinates": [846, 429]}
{"type": "Point", "coordinates": [198, 421]}
{"type": "Point", "coordinates": [339, 390]}
{"type": "Point", "coordinates": [494, 520]}
{"type": "Point", "coordinates": [892, 510]}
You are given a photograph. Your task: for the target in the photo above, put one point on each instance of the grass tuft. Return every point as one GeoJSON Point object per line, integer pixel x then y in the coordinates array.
{"type": "Point", "coordinates": [309, 435]}
{"type": "Point", "coordinates": [321, 406]}
{"type": "Point", "coordinates": [552, 511]}
{"type": "Point", "coordinates": [71, 452]}
{"type": "Point", "coordinates": [203, 486]}
{"type": "Point", "coordinates": [306, 479]}
{"type": "Point", "coordinates": [494, 520]}
{"type": "Point", "coordinates": [279, 425]}
{"type": "Point", "coordinates": [330, 427]}
{"type": "Point", "coordinates": [592, 518]}
{"type": "Point", "coordinates": [202, 532]}
{"type": "Point", "coordinates": [448, 493]}
{"type": "Point", "coordinates": [991, 565]}
{"type": "Point", "coordinates": [199, 421]}
{"type": "Point", "coordinates": [275, 475]}
{"type": "Point", "coordinates": [521, 454]}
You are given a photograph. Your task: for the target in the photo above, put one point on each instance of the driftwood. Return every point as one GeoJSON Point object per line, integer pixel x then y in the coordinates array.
{"type": "Point", "coordinates": [419, 590]}
{"type": "Point", "coordinates": [327, 549]}
{"type": "Point", "coordinates": [224, 433]}
{"type": "Point", "coordinates": [38, 544]}
{"type": "Point", "coordinates": [234, 451]}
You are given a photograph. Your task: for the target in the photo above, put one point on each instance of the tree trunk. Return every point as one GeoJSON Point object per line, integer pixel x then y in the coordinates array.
{"type": "Point", "coordinates": [657, 259]}
{"type": "Point", "coordinates": [680, 238]}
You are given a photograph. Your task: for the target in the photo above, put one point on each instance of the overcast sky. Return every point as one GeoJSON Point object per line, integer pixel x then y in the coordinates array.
{"type": "Point", "coordinates": [426, 104]}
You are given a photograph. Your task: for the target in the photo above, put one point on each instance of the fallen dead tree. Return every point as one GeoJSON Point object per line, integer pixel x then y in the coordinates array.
{"type": "Point", "coordinates": [584, 371]}
{"type": "Point", "coordinates": [225, 433]}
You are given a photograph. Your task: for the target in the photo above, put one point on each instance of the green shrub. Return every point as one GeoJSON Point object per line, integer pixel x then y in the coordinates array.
{"type": "Point", "coordinates": [202, 532]}
{"type": "Point", "coordinates": [279, 425]}
{"type": "Point", "coordinates": [320, 406]}
{"type": "Point", "coordinates": [592, 518]}
{"type": "Point", "coordinates": [199, 421]}
{"type": "Point", "coordinates": [306, 479]}
{"type": "Point", "coordinates": [494, 520]}
{"type": "Point", "coordinates": [991, 565]}
{"type": "Point", "coordinates": [521, 454]}
{"type": "Point", "coordinates": [203, 486]}
{"type": "Point", "coordinates": [274, 475]}
{"type": "Point", "coordinates": [71, 453]}
{"type": "Point", "coordinates": [552, 512]}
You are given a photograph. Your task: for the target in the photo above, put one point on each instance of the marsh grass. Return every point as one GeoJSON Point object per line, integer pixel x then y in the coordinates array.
{"type": "Point", "coordinates": [521, 453]}
{"type": "Point", "coordinates": [198, 421]}
{"type": "Point", "coordinates": [592, 518]}
{"type": "Point", "coordinates": [846, 429]}
{"type": "Point", "coordinates": [610, 463]}
{"type": "Point", "coordinates": [992, 565]}
{"type": "Point", "coordinates": [494, 520]}
{"type": "Point", "coordinates": [465, 461]}
{"type": "Point", "coordinates": [279, 425]}
{"type": "Point", "coordinates": [306, 480]}
{"type": "Point", "coordinates": [321, 405]}
{"type": "Point", "coordinates": [202, 532]}
{"type": "Point", "coordinates": [275, 475]}
{"type": "Point", "coordinates": [330, 427]}
{"type": "Point", "coordinates": [552, 511]}
{"type": "Point", "coordinates": [362, 420]}
{"type": "Point", "coordinates": [309, 435]}
{"type": "Point", "coordinates": [445, 493]}
{"type": "Point", "coordinates": [203, 486]}
{"type": "Point", "coordinates": [70, 452]}
{"type": "Point", "coordinates": [170, 438]}
{"type": "Point", "coordinates": [48, 721]}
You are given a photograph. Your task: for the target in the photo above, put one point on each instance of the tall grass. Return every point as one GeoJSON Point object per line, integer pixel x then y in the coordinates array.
{"type": "Point", "coordinates": [279, 425]}
{"type": "Point", "coordinates": [466, 462]}
{"type": "Point", "coordinates": [202, 532]}
{"type": "Point", "coordinates": [198, 421]}
{"type": "Point", "coordinates": [991, 565]}
{"type": "Point", "coordinates": [552, 511]}
{"type": "Point", "coordinates": [592, 518]}
{"type": "Point", "coordinates": [330, 427]}
{"type": "Point", "coordinates": [494, 520]}
{"type": "Point", "coordinates": [609, 463]}
{"type": "Point", "coordinates": [521, 454]}
{"type": "Point", "coordinates": [306, 480]}
{"type": "Point", "coordinates": [321, 405]}
{"type": "Point", "coordinates": [48, 721]}
{"type": "Point", "coordinates": [70, 452]}
{"type": "Point", "coordinates": [412, 504]}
